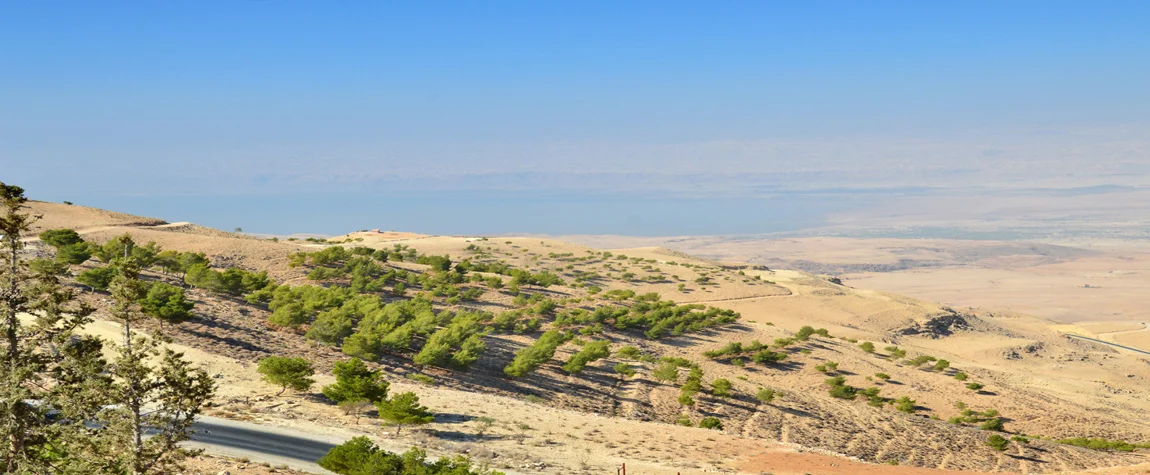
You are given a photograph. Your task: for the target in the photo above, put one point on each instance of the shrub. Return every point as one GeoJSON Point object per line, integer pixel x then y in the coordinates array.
{"type": "Point", "coordinates": [766, 396]}
{"type": "Point", "coordinates": [843, 392]}
{"type": "Point", "coordinates": [721, 387]}
{"type": "Point", "coordinates": [686, 399]}
{"type": "Point", "coordinates": [666, 371]}
{"type": "Point", "coordinates": [941, 365]}
{"type": "Point", "coordinates": [905, 404]}
{"type": "Point", "coordinates": [867, 347]}
{"type": "Point", "coordinates": [960, 376]}
{"type": "Point", "coordinates": [768, 357]}
{"type": "Point", "coordinates": [882, 376]}
{"type": "Point", "coordinates": [974, 386]}
{"type": "Point", "coordinates": [994, 424]}
{"type": "Point", "coordinates": [1104, 444]}
{"type": "Point", "coordinates": [530, 358]}
{"type": "Point", "coordinates": [624, 369]}
{"type": "Point", "coordinates": [711, 423]}
{"type": "Point", "coordinates": [591, 351]}
{"type": "Point", "coordinates": [997, 442]}
{"type": "Point", "coordinates": [920, 360]}
{"type": "Point", "coordinates": [684, 420]}
{"type": "Point", "coordinates": [629, 352]}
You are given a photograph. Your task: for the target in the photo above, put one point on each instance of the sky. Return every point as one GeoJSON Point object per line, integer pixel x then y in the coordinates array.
{"type": "Point", "coordinates": [484, 108]}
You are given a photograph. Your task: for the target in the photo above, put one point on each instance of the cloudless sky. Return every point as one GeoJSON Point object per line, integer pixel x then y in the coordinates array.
{"type": "Point", "coordinates": [181, 93]}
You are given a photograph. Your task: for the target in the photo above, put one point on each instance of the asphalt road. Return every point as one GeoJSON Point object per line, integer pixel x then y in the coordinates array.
{"type": "Point", "coordinates": [1136, 350]}
{"type": "Point", "coordinates": [259, 443]}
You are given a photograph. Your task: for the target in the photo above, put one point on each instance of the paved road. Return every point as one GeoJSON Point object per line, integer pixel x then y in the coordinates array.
{"type": "Point", "coordinates": [259, 443]}
{"type": "Point", "coordinates": [1104, 342]}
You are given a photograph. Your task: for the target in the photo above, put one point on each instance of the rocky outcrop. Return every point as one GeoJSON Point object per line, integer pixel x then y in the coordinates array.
{"type": "Point", "coordinates": [938, 326]}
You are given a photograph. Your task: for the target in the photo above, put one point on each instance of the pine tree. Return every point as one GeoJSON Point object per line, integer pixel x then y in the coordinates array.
{"type": "Point", "coordinates": [164, 398]}
{"type": "Point", "coordinates": [41, 363]}
{"type": "Point", "coordinates": [404, 409]}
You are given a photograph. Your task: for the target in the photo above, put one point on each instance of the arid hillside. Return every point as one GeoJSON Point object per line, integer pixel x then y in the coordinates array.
{"type": "Point", "coordinates": [544, 356]}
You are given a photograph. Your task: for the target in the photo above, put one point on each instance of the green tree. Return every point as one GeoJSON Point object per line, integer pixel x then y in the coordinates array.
{"type": "Point", "coordinates": [287, 372]}
{"type": "Point", "coordinates": [163, 399]}
{"type": "Point", "coordinates": [941, 365]}
{"type": "Point", "coordinates": [360, 456]}
{"type": "Point", "coordinates": [97, 278]}
{"type": "Point", "coordinates": [711, 423]}
{"type": "Point", "coordinates": [867, 347]}
{"type": "Point", "coordinates": [997, 442]}
{"type": "Point", "coordinates": [721, 387]}
{"type": "Point", "coordinates": [404, 409]}
{"type": "Point", "coordinates": [591, 351]}
{"type": "Point", "coordinates": [994, 424]}
{"type": "Point", "coordinates": [166, 303]}
{"type": "Point", "coordinates": [74, 254]}
{"type": "Point", "coordinates": [905, 404]}
{"type": "Point", "coordinates": [70, 380]}
{"type": "Point", "coordinates": [666, 371]}
{"type": "Point", "coordinates": [60, 237]}
{"type": "Point", "coordinates": [355, 382]}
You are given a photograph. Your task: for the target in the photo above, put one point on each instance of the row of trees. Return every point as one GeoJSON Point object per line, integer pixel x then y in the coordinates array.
{"type": "Point", "coordinates": [65, 407]}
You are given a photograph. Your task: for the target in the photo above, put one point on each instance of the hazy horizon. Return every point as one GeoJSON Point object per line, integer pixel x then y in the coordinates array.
{"type": "Point", "coordinates": [644, 118]}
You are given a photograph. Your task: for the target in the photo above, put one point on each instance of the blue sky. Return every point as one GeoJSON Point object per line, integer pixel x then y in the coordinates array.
{"type": "Point", "coordinates": [187, 98]}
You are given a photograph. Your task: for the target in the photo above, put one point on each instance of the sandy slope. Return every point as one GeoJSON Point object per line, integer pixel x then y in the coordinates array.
{"type": "Point", "coordinates": [1042, 381]}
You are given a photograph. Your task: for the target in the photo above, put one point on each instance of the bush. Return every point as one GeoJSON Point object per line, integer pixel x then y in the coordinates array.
{"type": "Point", "coordinates": [530, 358]}
{"type": "Point", "coordinates": [882, 376]}
{"type": "Point", "coordinates": [721, 387]}
{"type": "Point", "coordinates": [941, 365]}
{"type": "Point", "coordinates": [867, 347]}
{"type": "Point", "coordinates": [711, 423]}
{"type": "Point", "coordinates": [591, 351]}
{"type": "Point", "coordinates": [666, 371]}
{"type": "Point", "coordinates": [843, 392]}
{"type": "Point", "coordinates": [1104, 444]}
{"type": "Point", "coordinates": [768, 357]}
{"type": "Point", "coordinates": [960, 376]}
{"type": "Point", "coordinates": [766, 396]}
{"type": "Point", "coordinates": [905, 404]}
{"type": "Point", "coordinates": [624, 369]}
{"type": "Point", "coordinates": [294, 373]}
{"type": "Point", "coordinates": [974, 386]}
{"type": "Point", "coordinates": [994, 424]}
{"type": "Point", "coordinates": [997, 442]}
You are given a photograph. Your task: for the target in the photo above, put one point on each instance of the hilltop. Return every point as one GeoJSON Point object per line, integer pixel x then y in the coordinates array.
{"type": "Point", "coordinates": [665, 316]}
